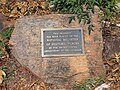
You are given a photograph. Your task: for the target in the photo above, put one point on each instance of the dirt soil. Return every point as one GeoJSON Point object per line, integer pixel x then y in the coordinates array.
{"type": "Point", "coordinates": [111, 41]}
{"type": "Point", "coordinates": [20, 78]}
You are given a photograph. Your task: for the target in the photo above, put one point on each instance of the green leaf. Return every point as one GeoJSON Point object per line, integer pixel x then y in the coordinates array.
{"type": "Point", "coordinates": [71, 18]}
{"type": "Point", "coordinates": [88, 22]}
{"type": "Point", "coordinates": [84, 20]}
{"type": "Point", "coordinates": [108, 8]}
{"type": "Point", "coordinates": [2, 43]}
{"type": "Point", "coordinates": [7, 33]}
{"type": "Point", "coordinates": [90, 28]}
{"type": "Point", "coordinates": [79, 18]}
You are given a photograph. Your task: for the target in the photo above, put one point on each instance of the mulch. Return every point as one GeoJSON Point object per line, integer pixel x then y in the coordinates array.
{"type": "Point", "coordinates": [20, 78]}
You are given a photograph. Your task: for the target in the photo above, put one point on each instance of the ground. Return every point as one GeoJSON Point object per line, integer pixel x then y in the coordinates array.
{"type": "Point", "coordinates": [111, 41]}
{"type": "Point", "coordinates": [17, 75]}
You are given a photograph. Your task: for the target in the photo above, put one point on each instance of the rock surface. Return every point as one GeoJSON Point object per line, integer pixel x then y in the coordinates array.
{"type": "Point", "coordinates": [59, 71]}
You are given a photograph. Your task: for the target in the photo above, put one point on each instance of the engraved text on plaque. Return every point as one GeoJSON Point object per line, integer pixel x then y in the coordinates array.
{"type": "Point", "coordinates": [62, 42]}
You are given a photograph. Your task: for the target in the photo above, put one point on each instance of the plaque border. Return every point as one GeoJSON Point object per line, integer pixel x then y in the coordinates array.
{"type": "Point", "coordinates": [48, 29]}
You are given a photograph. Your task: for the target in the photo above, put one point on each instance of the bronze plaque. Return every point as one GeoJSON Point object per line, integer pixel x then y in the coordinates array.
{"type": "Point", "coordinates": [62, 42]}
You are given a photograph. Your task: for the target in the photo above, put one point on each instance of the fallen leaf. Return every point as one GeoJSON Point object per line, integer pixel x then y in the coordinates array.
{"type": "Point", "coordinates": [1, 80]}
{"type": "Point", "coordinates": [2, 73]}
{"type": "Point", "coordinates": [3, 1]}
{"type": "Point", "coordinates": [14, 13]}
{"type": "Point", "coordinates": [117, 57]}
{"type": "Point", "coordinates": [111, 79]}
{"type": "Point", "coordinates": [110, 63]}
{"type": "Point", "coordinates": [114, 70]}
{"type": "Point", "coordinates": [43, 86]}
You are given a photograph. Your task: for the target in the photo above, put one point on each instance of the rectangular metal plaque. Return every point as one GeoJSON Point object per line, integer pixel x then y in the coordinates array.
{"type": "Point", "coordinates": [62, 42]}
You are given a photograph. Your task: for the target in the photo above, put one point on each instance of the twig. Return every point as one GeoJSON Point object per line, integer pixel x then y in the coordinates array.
{"type": "Point", "coordinates": [32, 84]}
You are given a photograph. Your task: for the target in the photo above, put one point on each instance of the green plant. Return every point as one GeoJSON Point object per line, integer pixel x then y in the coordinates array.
{"type": "Point", "coordinates": [9, 75]}
{"type": "Point", "coordinates": [7, 33]}
{"type": "Point", "coordinates": [89, 83]}
{"type": "Point", "coordinates": [2, 43]}
{"type": "Point", "coordinates": [5, 37]}
{"type": "Point", "coordinates": [84, 8]}
{"type": "Point", "coordinates": [118, 1]}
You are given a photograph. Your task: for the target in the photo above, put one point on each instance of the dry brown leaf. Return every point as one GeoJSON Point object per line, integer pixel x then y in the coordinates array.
{"type": "Point", "coordinates": [15, 9]}
{"type": "Point", "coordinates": [6, 11]}
{"type": "Point", "coordinates": [43, 86]}
{"type": "Point", "coordinates": [33, 4]}
{"type": "Point", "coordinates": [2, 73]}
{"type": "Point", "coordinates": [111, 79]}
{"type": "Point", "coordinates": [115, 75]}
{"type": "Point", "coordinates": [43, 5]}
{"type": "Point", "coordinates": [23, 10]}
{"type": "Point", "coordinates": [1, 80]}
{"type": "Point", "coordinates": [110, 63]}
{"type": "Point", "coordinates": [19, 5]}
{"type": "Point", "coordinates": [3, 1]}
{"type": "Point", "coordinates": [114, 70]}
{"type": "Point", "coordinates": [14, 13]}
{"type": "Point", "coordinates": [1, 9]}
{"type": "Point", "coordinates": [117, 57]}
{"type": "Point", "coordinates": [25, 4]}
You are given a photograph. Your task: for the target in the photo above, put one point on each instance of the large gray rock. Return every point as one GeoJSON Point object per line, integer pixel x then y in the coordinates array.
{"type": "Point", "coordinates": [60, 71]}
